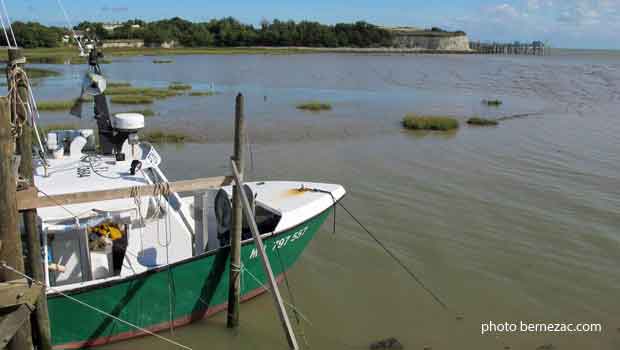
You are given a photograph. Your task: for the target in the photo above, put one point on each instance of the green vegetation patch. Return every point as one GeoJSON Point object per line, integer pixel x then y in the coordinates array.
{"type": "Point", "coordinates": [417, 122]}
{"type": "Point", "coordinates": [146, 92]}
{"type": "Point", "coordinates": [123, 90]}
{"type": "Point", "coordinates": [202, 93]}
{"type": "Point", "coordinates": [118, 84]}
{"type": "Point", "coordinates": [314, 106]}
{"type": "Point", "coordinates": [145, 112]}
{"type": "Point", "coordinates": [38, 73]}
{"type": "Point", "coordinates": [492, 103]}
{"type": "Point", "coordinates": [160, 93]}
{"type": "Point", "coordinates": [159, 136]}
{"type": "Point", "coordinates": [178, 86]}
{"type": "Point", "coordinates": [162, 61]}
{"type": "Point", "coordinates": [478, 121]}
{"type": "Point", "coordinates": [63, 105]}
{"type": "Point", "coordinates": [131, 99]}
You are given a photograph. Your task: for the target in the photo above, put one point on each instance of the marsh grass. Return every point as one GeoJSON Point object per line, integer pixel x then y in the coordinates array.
{"type": "Point", "coordinates": [178, 86]}
{"type": "Point", "coordinates": [202, 93]}
{"type": "Point", "coordinates": [60, 105]}
{"type": "Point", "coordinates": [492, 103]}
{"type": "Point", "coordinates": [438, 123]}
{"type": "Point", "coordinates": [118, 84]}
{"type": "Point", "coordinates": [478, 121]}
{"type": "Point", "coordinates": [131, 99]}
{"type": "Point", "coordinates": [314, 106]}
{"type": "Point", "coordinates": [159, 136]}
{"type": "Point", "coordinates": [38, 73]}
{"type": "Point", "coordinates": [160, 93]}
{"type": "Point", "coordinates": [145, 92]}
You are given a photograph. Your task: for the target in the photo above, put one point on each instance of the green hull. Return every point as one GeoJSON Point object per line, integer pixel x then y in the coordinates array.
{"type": "Point", "coordinates": [199, 288]}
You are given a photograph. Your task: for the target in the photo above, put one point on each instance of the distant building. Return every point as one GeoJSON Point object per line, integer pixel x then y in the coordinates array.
{"type": "Point", "coordinates": [124, 43]}
{"type": "Point", "coordinates": [111, 26]}
{"type": "Point", "coordinates": [69, 35]}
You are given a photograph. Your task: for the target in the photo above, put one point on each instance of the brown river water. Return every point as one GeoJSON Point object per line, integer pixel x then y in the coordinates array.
{"type": "Point", "coordinates": [513, 223]}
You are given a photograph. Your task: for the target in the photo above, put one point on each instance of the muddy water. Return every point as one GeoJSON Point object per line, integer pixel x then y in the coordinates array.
{"type": "Point", "coordinates": [518, 222]}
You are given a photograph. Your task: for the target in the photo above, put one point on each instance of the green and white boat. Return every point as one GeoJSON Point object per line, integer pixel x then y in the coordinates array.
{"type": "Point", "coordinates": [155, 261]}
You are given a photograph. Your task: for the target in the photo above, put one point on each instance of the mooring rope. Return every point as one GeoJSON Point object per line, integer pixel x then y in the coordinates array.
{"type": "Point", "coordinates": [318, 190]}
{"type": "Point", "coordinates": [396, 259]}
{"type": "Point", "coordinates": [290, 293]}
{"type": "Point", "coordinates": [94, 308]}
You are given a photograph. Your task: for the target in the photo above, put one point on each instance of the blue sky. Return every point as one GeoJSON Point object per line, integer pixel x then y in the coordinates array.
{"type": "Point", "coordinates": [564, 23]}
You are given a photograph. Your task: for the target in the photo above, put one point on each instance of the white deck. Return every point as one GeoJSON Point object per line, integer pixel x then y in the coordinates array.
{"type": "Point", "coordinates": [162, 240]}
{"type": "Point", "coordinates": [284, 198]}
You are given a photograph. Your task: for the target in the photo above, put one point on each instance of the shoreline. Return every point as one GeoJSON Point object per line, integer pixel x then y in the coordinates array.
{"type": "Point", "coordinates": [61, 55]}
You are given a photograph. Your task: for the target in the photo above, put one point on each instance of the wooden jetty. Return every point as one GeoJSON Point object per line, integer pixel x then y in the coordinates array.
{"type": "Point", "coordinates": [535, 48]}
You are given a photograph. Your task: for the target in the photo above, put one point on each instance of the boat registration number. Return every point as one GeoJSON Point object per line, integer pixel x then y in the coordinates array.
{"type": "Point", "coordinates": [282, 242]}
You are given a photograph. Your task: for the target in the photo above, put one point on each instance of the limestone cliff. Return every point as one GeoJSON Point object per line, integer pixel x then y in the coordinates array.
{"type": "Point", "coordinates": [430, 40]}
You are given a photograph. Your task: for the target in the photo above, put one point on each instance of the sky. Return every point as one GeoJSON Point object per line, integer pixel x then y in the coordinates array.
{"type": "Point", "coordinates": [562, 23]}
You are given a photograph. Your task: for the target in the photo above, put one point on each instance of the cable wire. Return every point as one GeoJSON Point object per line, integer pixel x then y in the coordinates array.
{"type": "Point", "coordinates": [64, 11]}
{"type": "Point", "coordinates": [396, 259]}
{"type": "Point", "coordinates": [8, 19]}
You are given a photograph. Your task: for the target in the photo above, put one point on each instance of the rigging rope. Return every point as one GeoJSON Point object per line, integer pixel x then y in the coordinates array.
{"type": "Point", "coordinates": [396, 259]}
{"type": "Point", "coordinates": [94, 308]}
{"type": "Point", "coordinates": [8, 19]}
{"type": "Point", "coordinates": [290, 293]}
{"type": "Point", "coordinates": [71, 27]}
{"type": "Point", "coordinates": [6, 36]}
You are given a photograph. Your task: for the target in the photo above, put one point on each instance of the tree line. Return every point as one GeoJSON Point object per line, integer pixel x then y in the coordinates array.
{"type": "Point", "coordinates": [225, 32]}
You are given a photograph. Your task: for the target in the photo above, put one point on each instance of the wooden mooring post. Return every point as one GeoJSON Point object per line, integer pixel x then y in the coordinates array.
{"type": "Point", "coordinates": [234, 292]}
{"type": "Point", "coordinates": [11, 250]}
{"type": "Point", "coordinates": [24, 148]}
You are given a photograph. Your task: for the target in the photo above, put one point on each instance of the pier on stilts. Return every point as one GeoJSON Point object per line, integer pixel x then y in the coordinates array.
{"type": "Point", "coordinates": [535, 48]}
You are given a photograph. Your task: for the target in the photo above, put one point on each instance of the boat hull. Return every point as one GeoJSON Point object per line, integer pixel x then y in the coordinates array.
{"type": "Point", "coordinates": [174, 295]}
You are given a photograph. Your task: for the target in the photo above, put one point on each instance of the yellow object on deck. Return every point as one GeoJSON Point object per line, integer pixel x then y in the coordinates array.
{"type": "Point", "coordinates": [108, 230]}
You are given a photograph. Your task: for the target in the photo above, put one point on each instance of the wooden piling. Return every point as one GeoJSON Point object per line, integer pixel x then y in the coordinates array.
{"type": "Point", "coordinates": [234, 295]}
{"type": "Point", "coordinates": [29, 217]}
{"type": "Point", "coordinates": [11, 250]}
{"type": "Point", "coordinates": [273, 285]}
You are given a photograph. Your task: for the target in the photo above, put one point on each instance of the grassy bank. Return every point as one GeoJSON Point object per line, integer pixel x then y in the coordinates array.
{"type": "Point", "coordinates": [70, 54]}
{"type": "Point", "coordinates": [492, 103]}
{"type": "Point", "coordinates": [61, 105]}
{"type": "Point", "coordinates": [478, 121]}
{"type": "Point", "coordinates": [131, 100]}
{"type": "Point", "coordinates": [438, 123]}
{"type": "Point", "coordinates": [159, 136]}
{"type": "Point", "coordinates": [37, 73]}
{"type": "Point", "coordinates": [178, 86]}
{"type": "Point", "coordinates": [202, 93]}
{"type": "Point", "coordinates": [314, 106]}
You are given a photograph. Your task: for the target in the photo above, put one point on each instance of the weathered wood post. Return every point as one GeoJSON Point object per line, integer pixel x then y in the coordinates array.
{"type": "Point", "coordinates": [234, 293]}
{"type": "Point", "coordinates": [11, 249]}
{"type": "Point", "coordinates": [24, 148]}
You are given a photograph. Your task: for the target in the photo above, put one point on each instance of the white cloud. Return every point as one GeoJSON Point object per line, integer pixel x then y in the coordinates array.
{"type": "Point", "coordinates": [502, 11]}
{"type": "Point", "coordinates": [533, 5]}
